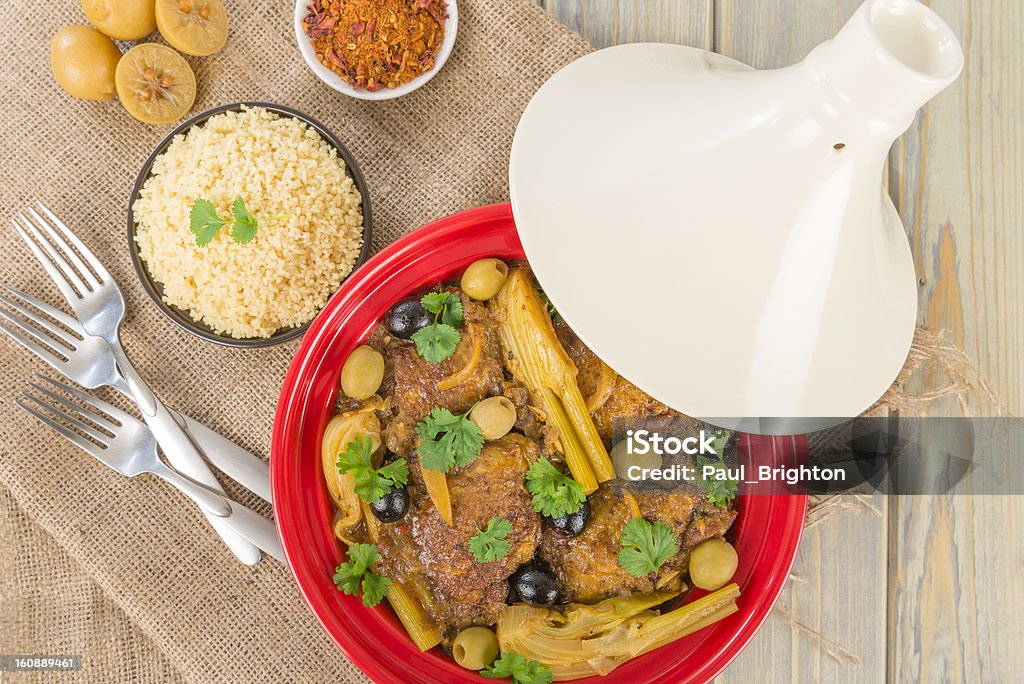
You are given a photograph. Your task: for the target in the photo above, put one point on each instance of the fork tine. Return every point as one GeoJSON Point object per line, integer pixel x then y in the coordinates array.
{"type": "Point", "coordinates": [59, 244]}
{"type": "Point", "coordinates": [110, 411]}
{"type": "Point", "coordinates": [66, 415]}
{"type": "Point", "coordinates": [70, 435]}
{"type": "Point", "coordinates": [39, 322]}
{"type": "Point", "coordinates": [33, 346]}
{"type": "Point", "coordinates": [69, 322]}
{"type": "Point", "coordinates": [87, 253]}
{"type": "Point", "coordinates": [37, 244]}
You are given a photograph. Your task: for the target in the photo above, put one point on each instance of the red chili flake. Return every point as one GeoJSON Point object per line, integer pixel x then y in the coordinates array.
{"type": "Point", "coordinates": [345, 36]}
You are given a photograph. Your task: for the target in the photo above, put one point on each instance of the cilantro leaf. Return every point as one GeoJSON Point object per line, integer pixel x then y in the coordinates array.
{"type": "Point", "coordinates": [436, 342]}
{"type": "Point", "coordinates": [434, 302]}
{"type": "Point", "coordinates": [447, 440]}
{"type": "Point", "coordinates": [350, 576]}
{"type": "Point", "coordinates": [370, 483]}
{"type": "Point", "coordinates": [204, 222]}
{"type": "Point", "coordinates": [356, 454]}
{"type": "Point", "coordinates": [397, 471]}
{"type": "Point", "coordinates": [363, 556]}
{"type": "Point", "coordinates": [445, 305]}
{"type": "Point", "coordinates": [521, 670]}
{"type": "Point", "coordinates": [246, 224]}
{"type": "Point", "coordinates": [646, 546]}
{"type": "Point", "coordinates": [490, 544]}
{"type": "Point", "coordinates": [554, 493]}
{"type": "Point", "coordinates": [452, 314]}
{"type": "Point", "coordinates": [722, 491]}
{"type": "Point", "coordinates": [719, 440]}
{"type": "Point", "coordinates": [375, 588]}
{"type": "Point", "coordinates": [347, 578]}
{"type": "Point", "coordinates": [719, 488]}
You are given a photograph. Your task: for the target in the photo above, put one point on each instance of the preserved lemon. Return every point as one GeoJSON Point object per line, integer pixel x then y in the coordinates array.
{"type": "Point", "coordinates": [83, 61]}
{"type": "Point", "coordinates": [121, 19]}
{"type": "Point", "coordinates": [155, 84]}
{"type": "Point", "coordinates": [196, 27]}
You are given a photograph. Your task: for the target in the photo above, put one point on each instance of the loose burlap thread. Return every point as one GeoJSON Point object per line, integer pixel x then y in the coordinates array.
{"type": "Point", "coordinates": [127, 573]}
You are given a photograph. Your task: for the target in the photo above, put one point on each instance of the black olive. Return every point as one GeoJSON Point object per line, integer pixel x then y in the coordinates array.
{"type": "Point", "coordinates": [534, 585]}
{"type": "Point", "coordinates": [406, 318]}
{"type": "Point", "coordinates": [573, 523]}
{"type": "Point", "coordinates": [392, 506]}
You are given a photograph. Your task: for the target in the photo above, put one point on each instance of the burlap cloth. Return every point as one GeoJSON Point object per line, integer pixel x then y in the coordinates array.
{"type": "Point", "coordinates": [124, 572]}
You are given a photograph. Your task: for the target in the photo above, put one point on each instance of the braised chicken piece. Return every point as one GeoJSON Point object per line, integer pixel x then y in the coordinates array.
{"type": "Point", "coordinates": [416, 386]}
{"type": "Point", "coordinates": [692, 518]}
{"type": "Point", "coordinates": [587, 566]}
{"type": "Point", "coordinates": [423, 552]}
{"type": "Point", "coordinates": [472, 373]}
{"type": "Point", "coordinates": [528, 418]}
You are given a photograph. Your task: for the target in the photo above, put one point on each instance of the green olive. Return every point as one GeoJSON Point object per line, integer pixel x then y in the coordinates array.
{"type": "Point", "coordinates": [484, 278]}
{"type": "Point", "coordinates": [83, 61]}
{"type": "Point", "coordinates": [622, 461]}
{"type": "Point", "coordinates": [495, 416]}
{"type": "Point", "coordinates": [712, 564]}
{"type": "Point", "coordinates": [362, 373]}
{"type": "Point", "coordinates": [475, 648]}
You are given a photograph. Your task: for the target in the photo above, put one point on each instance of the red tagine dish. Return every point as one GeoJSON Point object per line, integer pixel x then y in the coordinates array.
{"type": "Point", "coordinates": [765, 529]}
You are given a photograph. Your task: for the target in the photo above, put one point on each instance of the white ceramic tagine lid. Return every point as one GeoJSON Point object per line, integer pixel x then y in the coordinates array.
{"type": "Point", "coordinates": [719, 235]}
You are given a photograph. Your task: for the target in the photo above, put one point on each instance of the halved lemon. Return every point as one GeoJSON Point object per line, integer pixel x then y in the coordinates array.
{"type": "Point", "coordinates": [196, 27]}
{"type": "Point", "coordinates": [155, 84]}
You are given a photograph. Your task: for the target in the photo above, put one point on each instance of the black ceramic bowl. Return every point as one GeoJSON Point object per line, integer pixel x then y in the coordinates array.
{"type": "Point", "coordinates": [155, 290]}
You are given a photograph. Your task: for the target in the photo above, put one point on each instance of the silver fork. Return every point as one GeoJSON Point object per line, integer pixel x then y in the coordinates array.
{"type": "Point", "coordinates": [99, 307]}
{"type": "Point", "coordinates": [59, 340]}
{"type": "Point", "coordinates": [124, 443]}
{"type": "Point", "coordinates": [117, 440]}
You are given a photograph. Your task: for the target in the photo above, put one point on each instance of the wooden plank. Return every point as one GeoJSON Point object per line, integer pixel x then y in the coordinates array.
{"type": "Point", "coordinates": [956, 593]}
{"type": "Point", "coordinates": [610, 22]}
{"type": "Point", "coordinates": [772, 33]}
{"type": "Point", "coordinates": [830, 622]}
{"type": "Point", "coordinates": [958, 175]}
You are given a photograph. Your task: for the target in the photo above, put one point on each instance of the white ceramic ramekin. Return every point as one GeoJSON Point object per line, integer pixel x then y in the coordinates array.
{"type": "Point", "coordinates": [338, 83]}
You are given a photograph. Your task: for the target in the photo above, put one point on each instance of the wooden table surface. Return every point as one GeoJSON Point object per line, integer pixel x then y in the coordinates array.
{"type": "Point", "coordinates": [913, 588]}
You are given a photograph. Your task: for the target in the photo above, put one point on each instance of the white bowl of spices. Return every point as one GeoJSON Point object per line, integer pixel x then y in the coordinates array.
{"type": "Point", "coordinates": [375, 49]}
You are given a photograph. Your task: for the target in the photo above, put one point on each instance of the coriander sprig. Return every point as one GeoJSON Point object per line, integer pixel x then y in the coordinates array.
{"type": "Point", "coordinates": [719, 488]}
{"type": "Point", "coordinates": [370, 483]}
{"type": "Point", "coordinates": [491, 543]}
{"type": "Point", "coordinates": [437, 341]}
{"type": "Point", "coordinates": [646, 546]}
{"type": "Point", "coordinates": [554, 493]}
{"type": "Point", "coordinates": [521, 670]}
{"type": "Point", "coordinates": [205, 223]}
{"type": "Point", "coordinates": [447, 440]}
{"type": "Point", "coordinates": [354, 575]}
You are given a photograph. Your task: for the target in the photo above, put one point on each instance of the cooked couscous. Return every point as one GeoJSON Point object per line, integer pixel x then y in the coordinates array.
{"type": "Point", "coordinates": [308, 209]}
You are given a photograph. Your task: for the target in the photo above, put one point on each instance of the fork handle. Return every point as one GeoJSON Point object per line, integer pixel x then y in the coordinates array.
{"type": "Point", "coordinates": [245, 522]}
{"type": "Point", "coordinates": [207, 499]}
{"type": "Point", "coordinates": [240, 465]}
{"type": "Point", "coordinates": [244, 467]}
{"type": "Point", "coordinates": [180, 450]}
